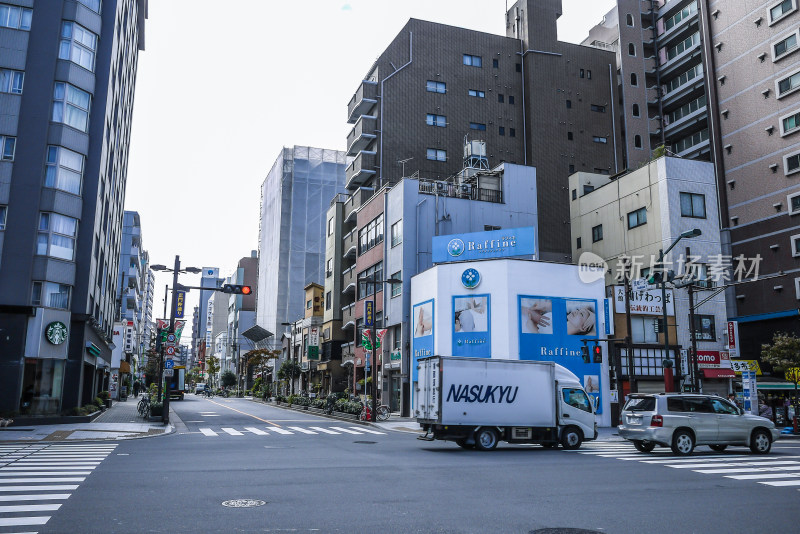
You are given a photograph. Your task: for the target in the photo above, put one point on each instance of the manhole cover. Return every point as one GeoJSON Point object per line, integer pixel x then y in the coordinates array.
{"type": "Point", "coordinates": [366, 442]}
{"type": "Point", "coordinates": [243, 503]}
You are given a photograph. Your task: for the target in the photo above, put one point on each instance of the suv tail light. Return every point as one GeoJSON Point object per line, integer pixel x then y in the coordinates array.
{"type": "Point", "coordinates": [657, 420]}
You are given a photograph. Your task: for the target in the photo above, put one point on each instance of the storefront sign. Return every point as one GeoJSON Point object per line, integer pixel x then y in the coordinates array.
{"type": "Point", "coordinates": [369, 313]}
{"type": "Point", "coordinates": [56, 332]}
{"type": "Point", "coordinates": [740, 366]}
{"type": "Point", "coordinates": [470, 278]}
{"type": "Point", "coordinates": [483, 245]}
{"type": "Point", "coordinates": [643, 302]}
{"type": "Point", "coordinates": [395, 356]}
{"type": "Point", "coordinates": [750, 392]}
{"type": "Point", "coordinates": [733, 338]}
{"type": "Point", "coordinates": [708, 359]}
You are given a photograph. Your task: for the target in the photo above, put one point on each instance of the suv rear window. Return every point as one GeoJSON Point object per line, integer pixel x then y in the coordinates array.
{"type": "Point", "coordinates": [641, 404]}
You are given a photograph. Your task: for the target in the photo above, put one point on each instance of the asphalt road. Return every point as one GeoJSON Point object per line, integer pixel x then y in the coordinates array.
{"type": "Point", "coordinates": [342, 482]}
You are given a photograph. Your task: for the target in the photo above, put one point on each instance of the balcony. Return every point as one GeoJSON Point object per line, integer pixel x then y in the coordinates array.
{"type": "Point", "coordinates": [354, 201]}
{"type": "Point", "coordinates": [348, 314]}
{"type": "Point", "coordinates": [350, 240]}
{"type": "Point", "coordinates": [349, 279]}
{"type": "Point", "coordinates": [135, 254]}
{"type": "Point", "coordinates": [363, 101]}
{"type": "Point", "coordinates": [362, 134]}
{"type": "Point", "coordinates": [360, 170]}
{"type": "Point", "coordinates": [134, 280]}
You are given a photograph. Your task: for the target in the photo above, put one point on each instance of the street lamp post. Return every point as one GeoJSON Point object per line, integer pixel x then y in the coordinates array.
{"type": "Point", "coordinates": [374, 283]}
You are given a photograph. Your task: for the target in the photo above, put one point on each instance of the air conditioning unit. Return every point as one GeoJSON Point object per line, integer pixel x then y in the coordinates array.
{"type": "Point", "coordinates": [441, 186]}
{"type": "Point", "coordinates": [465, 190]}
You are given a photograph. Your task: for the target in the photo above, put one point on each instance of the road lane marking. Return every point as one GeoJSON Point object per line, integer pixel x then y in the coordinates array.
{"type": "Point", "coordinates": [367, 430]}
{"type": "Point", "coordinates": [732, 464]}
{"type": "Point", "coordinates": [232, 432]}
{"type": "Point", "coordinates": [208, 432]}
{"type": "Point", "coordinates": [29, 508]}
{"type": "Point", "coordinates": [45, 473]}
{"type": "Point", "coordinates": [303, 430]}
{"type": "Point", "coordinates": [278, 430]}
{"type": "Point", "coordinates": [345, 430]}
{"type": "Point", "coordinates": [256, 431]}
{"type": "Point", "coordinates": [33, 480]}
{"type": "Point", "coordinates": [23, 521]}
{"type": "Point", "coordinates": [324, 430]}
{"type": "Point", "coordinates": [781, 483]}
{"type": "Point", "coordinates": [36, 497]}
{"type": "Point", "coordinates": [746, 470]}
{"type": "Point", "coordinates": [54, 487]}
{"type": "Point", "coordinates": [243, 413]}
{"type": "Point", "coordinates": [762, 476]}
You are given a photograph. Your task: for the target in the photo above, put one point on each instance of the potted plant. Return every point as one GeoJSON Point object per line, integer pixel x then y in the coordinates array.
{"type": "Point", "coordinates": [105, 397]}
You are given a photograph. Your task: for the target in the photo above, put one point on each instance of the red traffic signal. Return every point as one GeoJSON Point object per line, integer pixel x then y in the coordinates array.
{"type": "Point", "coordinates": [236, 289]}
{"type": "Point", "coordinates": [597, 352]}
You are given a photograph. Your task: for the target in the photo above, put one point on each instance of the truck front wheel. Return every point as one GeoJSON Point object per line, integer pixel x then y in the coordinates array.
{"type": "Point", "coordinates": [486, 439]}
{"type": "Point", "coordinates": [571, 438]}
{"type": "Point", "coordinates": [464, 445]}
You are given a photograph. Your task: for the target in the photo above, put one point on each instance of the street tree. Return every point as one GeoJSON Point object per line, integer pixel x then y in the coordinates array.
{"type": "Point", "coordinates": [784, 355]}
{"type": "Point", "coordinates": [227, 379]}
{"type": "Point", "coordinates": [193, 375]}
{"type": "Point", "coordinates": [212, 368]}
{"type": "Point", "coordinates": [289, 370]}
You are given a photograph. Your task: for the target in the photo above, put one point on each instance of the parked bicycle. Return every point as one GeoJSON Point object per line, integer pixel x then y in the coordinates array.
{"type": "Point", "coordinates": [382, 412]}
{"type": "Point", "coordinates": [144, 406]}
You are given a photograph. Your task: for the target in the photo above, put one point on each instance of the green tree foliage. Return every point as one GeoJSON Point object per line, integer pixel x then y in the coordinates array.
{"type": "Point", "coordinates": [212, 367]}
{"type": "Point", "coordinates": [227, 379]}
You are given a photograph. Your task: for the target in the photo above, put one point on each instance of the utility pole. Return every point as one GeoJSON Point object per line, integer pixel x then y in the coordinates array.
{"type": "Point", "coordinates": [176, 270]}
{"type": "Point", "coordinates": [693, 336]}
{"type": "Point", "coordinates": [629, 338]}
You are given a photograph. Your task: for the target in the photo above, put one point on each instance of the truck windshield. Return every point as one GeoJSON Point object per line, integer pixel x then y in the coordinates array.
{"type": "Point", "coordinates": [641, 404]}
{"type": "Point", "coordinates": [577, 398]}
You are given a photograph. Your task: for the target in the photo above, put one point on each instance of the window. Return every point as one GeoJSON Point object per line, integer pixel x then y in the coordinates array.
{"type": "Point", "coordinates": [518, 67]}
{"type": "Point", "coordinates": [476, 93]}
{"type": "Point", "coordinates": [598, 139]}
{"type": "Point", "coordinates": [637, 218]}
{"type": "Point", "coordinates": [308, 304]}
{"type": "Point", "coordinates": [794, 203]}
{"type": "Point", "coordinates": [587, 188]}
{"type": "Point", "coordinates": [582, 75]}
{"type": "Point", "coordinates": [683, 46]}
{"type": "Point", "coordinates": [598, 170]}
{"type": "Point", "coordinates": [397, 233]}
{"type": "Point", "coordinates": [687, 109]}
{"type": "Point", "coordinates": [629, 20]}
{"type": "Point", "coordinates": [512, 132]}
{"type": "Point", "coordinates": [631, 49]}
{"type": "Point", "coordinates": [598, 109]}
{"type": "Point", "coordinates": [495, 64]}
{"type": "Point", "coordinates": [477, 126]}
{"type": "Point", "coordinates": [3, 213]}
{"type": "Point", "coordinates": [8, 146]}
{"type": "Point", "coordinates": [472, 61]}
{"type": "Point", "coordinates": [569, 136]}
{"type": "Point", "coordinates": [689, 141]}
{"type": "Point", "coordinates": [683, 14]}
{"type": "Point", "coordinates": [588, 74]}
{"type": "Point", "coordinates": [790, 84]}
{"type": "Point", "coordinates": [71, 106]}
{"type": "Point", "coordinates": [571, 168]}
{"type": "Point", "coordinates": [636, 110]}
{"type": "Point", "coordinates": [397, 289]}
{"type": "Point", "coordinates": [597, 233]}
{"type": "Point", "coordinates": [578, 243]}
{"type": "Point", "coordinates": [634, 79]}
{"type": "Point", "coordinates": [371, 235]}
{"type": "Point", "coordinates": [791, 163]}
{"type": "Point", "coordinates": [704, 329]}
{"type": "Point", "coordinates": [642, 330]}
{"type": "Point", "coordinates": [637, 141]}
{"type": "Point", "coordinates": [794, 240]}
{"type": "Point", "coordinates": [329, 268]}
{"type": "Point", "coordinates": [500, 98]}
{"type": "Point", "coordinates": [14, 17]}
{"type": "Point", "coordinates": [373, 273]}
{"type": "Point", "coordinates": [77, 45]}
{"type": "Point", "coordinates": [574, 194]}
{"type": "Point", "coordinates": [511, 100]}
{"type": "Point", "coordinates": [64, 170]}
{"type": "Point", "coordinates": [11, 81]}
{"type": "Point", "coordinates": [57, 236]}
{"type": "Point", "coordinates": [693, 205]}
{"type": "Point", "coordinates": [435, 87]}
{"type": "Point", "coordinates": [330, 226]}
{"type": "Point", "coordinates": [569, 104]}
{"type": "Point", "coordinates": [784, 47]}
{"type": "Point", "coordinates": [685, 77]}
{"type": "Point", "coordinates": [577, 399]}
{"type": "Point", "coordinates": [94, 5]}
{"type": "Point", "coordinates": [436, 155]}
{"type": "Point", "coordinates": [50, 295]}
{"type": "Point", "coordinates": [328, 301]}
{"type": "Point", "coordinates": [778, 10]}
{"type": "Point", "coordinates": [502, 130]}
{"type": "Point", "coordinates": [436, 120]}
{"type": "Point", "coordinates": [790, 123]}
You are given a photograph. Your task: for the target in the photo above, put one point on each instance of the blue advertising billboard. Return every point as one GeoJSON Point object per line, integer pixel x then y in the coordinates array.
{"type": "Point", "coordinates": [484, 245]}
{"type": "Point", "coordinates": [472, 326]}
{"type": "Point", "coordinates": [422, 342]}
{"type": "Point", "coordinates": [551, 329]}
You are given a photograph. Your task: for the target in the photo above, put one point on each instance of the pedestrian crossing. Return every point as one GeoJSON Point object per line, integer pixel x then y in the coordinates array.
{"type": "Point", "coordinates": [36, 480]}
{"type": "Point", "coordinates": [776, 470]}
{"type": "Point", "coordinates": [287, 431]}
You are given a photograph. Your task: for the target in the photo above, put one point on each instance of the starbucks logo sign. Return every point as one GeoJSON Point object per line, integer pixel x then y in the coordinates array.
{"type": "Point", "coordinates": [56, 332]}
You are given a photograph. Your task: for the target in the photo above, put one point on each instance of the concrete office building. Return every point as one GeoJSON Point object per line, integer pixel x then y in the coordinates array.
{"type": "Point", "coordinates": [291, 244]}
{"type": "Point", "coordinates": [67, 80]}
{"type": "Point", "coordinates": [208, 278]}
{"type": "Point", "coordinates": [216, 330]}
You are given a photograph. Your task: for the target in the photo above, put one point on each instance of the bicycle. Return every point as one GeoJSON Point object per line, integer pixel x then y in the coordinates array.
{"type": "Point", "coordinates": [209, 393]}
{"type": "Point", "coordinates": [144, 406]}
{"type": "Point", "coordinates": [382, 413]}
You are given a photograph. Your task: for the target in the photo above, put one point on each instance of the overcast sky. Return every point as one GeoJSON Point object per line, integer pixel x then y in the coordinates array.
{"type": "Point", "coordinates": [222, 86]}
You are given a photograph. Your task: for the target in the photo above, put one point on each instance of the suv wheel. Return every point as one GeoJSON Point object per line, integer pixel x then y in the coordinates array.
{"type": "Point", "coordinates": [571, 438]}
{"type": "Point", "coordinates": [643, 446]}
{"type": "Point", "coordinates": [760, 442]}
{"type": "Point", "coordinates": [682, 443]}
{"type": "Point", "coordinates": [486, 439]}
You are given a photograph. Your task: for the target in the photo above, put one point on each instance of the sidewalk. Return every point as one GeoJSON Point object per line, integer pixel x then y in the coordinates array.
{"type": "Point", "coordinates": [117, 423]}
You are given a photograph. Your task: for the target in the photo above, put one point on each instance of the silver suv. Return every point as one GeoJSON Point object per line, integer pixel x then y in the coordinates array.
{"type": "Point", "coordinates": [682, 421]}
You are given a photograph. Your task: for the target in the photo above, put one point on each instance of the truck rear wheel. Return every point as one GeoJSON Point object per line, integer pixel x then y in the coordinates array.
{"type": "Point", "coordinates": [571, 438]}
{"type": "Point", "coordinates": [486, 439]}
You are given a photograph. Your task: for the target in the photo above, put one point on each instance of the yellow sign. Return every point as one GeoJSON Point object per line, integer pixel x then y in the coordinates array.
{"type": "Point", "coordinates": [745, 365]}
{"type": "Point", "coordinates": [793, 374]}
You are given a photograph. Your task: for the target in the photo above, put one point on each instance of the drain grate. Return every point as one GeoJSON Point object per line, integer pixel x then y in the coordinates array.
{"type": "Point", "coordinates": [243, 503]}
{"type": "Point", "coordinates": [366, 442]}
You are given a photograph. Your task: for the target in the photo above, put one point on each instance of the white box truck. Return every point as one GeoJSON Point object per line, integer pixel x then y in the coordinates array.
{"type": "Point", "coordinates": [478, 402]}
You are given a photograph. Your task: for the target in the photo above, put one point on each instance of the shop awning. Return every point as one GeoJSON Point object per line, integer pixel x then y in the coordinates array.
{"type": "Point", "coordinates": [719, 373]}
{"type": "Point", "coordinates": [124, 367]}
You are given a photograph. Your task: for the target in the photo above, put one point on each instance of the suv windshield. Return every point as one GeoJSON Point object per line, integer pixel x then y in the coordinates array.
{"type": "Point", "coordinates": [641, 404]}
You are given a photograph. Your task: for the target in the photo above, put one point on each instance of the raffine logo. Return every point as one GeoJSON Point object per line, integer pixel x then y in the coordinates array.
{"type": "Point", "coordinates": [591, 268]}
{"type": "Point", "coordinates": [470, 278]}
{"type": "Point", "coordinates": [455, 247]}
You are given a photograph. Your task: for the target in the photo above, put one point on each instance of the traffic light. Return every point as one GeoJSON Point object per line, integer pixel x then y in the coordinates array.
{"type": "Point", "coordinates": [237, 290]}
{"type": "Point", "coordinates": [585, 353]}
{"type": "Point", "coordinates": [657, 277]}
{"type": "Point", "coordinates": [597, 352]}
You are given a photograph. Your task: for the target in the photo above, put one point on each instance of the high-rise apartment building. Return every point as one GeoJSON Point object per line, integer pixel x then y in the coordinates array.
{"type": "Point", "coordinates": [294, 199]}
{"type": "Point", "coordinates": [67, 79]}
{"type": "Point", "coordinates": [131, 289]}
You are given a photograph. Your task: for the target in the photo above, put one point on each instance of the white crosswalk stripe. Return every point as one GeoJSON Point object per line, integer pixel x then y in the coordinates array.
{"type": "Point", "coordinates": [773, 470]}
{"type": "Point", "coordinates": [303, 430]}
{"type": "Point", "coordinates": [29, 475]}
{"type": "Point", "coordinates": [256, 431]}
{"type": "Point", "coordinates": [345, 430]}
{"type": "Point", "coordinates": [230, 431]}
{"type": "Point", "coordinates": [208, 432]}
{"type": "Point", "coordinates": [324, 430]}
{"type": "Point", "coordinates": [279, 430]}
{"type": "Point", "coordinates": [369, 431]}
